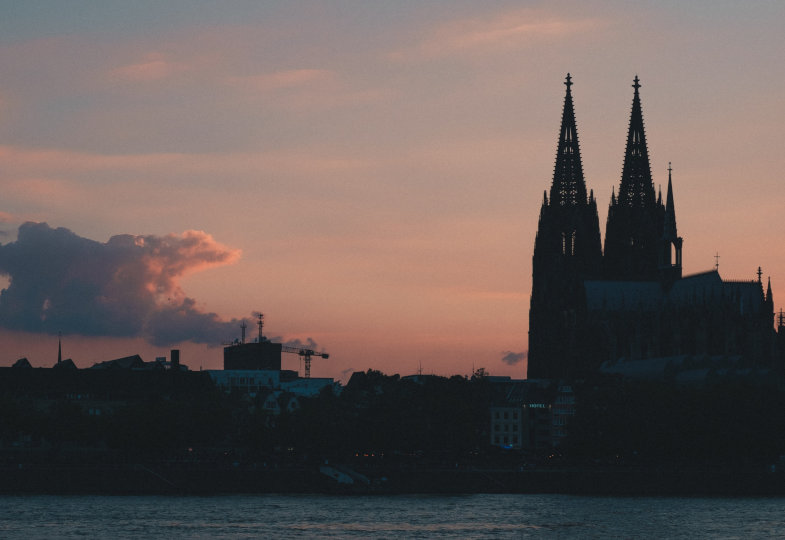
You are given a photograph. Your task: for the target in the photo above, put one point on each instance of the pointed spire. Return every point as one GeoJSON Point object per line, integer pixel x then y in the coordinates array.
{"type": "Point", "coordinates": [633, 233]}
{"type": "Point", "coordinates": [567, 250]}
{"type": "Point", "coordinates": [636, 187]}
{"type": "Point", "coordinates": [670, 210]}
{"type": "Point", "coordinates": [569, 187]}
{"type": "Point", "coordinates": [770, 301]}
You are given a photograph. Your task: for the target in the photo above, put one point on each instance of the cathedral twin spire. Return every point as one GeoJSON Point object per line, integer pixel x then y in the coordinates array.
{"type": "Point", "coordinates": [567, 250]}
{"type": "Point", "coordinates": [568, 221]}
{"type": "Point", "coordinates": [640, 243]}
{"type": "Point", "coordinates": [585, 307]}
{"type": "Point", "coordinates": [636, 187]}
{"type": "Point", "coordinates": [568, 188]}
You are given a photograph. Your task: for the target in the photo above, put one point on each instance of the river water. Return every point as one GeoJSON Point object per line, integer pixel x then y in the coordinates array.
{"type": "Point", "coordinates": [421, 516]}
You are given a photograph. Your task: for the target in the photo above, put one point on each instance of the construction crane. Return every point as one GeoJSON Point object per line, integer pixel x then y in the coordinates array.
{"type": "Point", "coordinates": [306, 354]}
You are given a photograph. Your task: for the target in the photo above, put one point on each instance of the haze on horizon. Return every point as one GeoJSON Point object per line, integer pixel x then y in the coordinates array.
{"type": "Point", "coordinates": [366, 174]}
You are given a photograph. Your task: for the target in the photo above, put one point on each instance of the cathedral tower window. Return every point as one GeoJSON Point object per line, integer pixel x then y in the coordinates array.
{"type": "Point", "coordinates": [568, 243]}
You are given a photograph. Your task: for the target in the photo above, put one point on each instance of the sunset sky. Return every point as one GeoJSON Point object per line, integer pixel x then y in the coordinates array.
{"type": "Point", "coordinates": [368, 174]}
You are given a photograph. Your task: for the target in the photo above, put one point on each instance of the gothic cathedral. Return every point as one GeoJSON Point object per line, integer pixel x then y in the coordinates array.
{"type": "Point", "coordinates": [592, 307]}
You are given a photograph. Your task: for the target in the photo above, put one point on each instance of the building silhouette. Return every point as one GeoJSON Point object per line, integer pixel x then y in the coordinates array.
{"type": "Point", "coordinates": [567, 251]}
{"type": "Point", "coordinates": [264, 355]}
{"type": "Point", "coordinates": [630, 302]}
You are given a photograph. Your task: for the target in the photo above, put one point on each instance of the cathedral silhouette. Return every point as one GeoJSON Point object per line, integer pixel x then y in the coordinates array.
{"type": "Point", "coordinates": [593, 308]}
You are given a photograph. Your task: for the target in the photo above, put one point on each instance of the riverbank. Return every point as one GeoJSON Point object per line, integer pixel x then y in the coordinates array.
{"type": "Point", "coordinates": [141, 479]}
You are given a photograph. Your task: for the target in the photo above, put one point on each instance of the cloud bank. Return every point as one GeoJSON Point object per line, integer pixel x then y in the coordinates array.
{"type": "Point", "coordinates": [126, 287]}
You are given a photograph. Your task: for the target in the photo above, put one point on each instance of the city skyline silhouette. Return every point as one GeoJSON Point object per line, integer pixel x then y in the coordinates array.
{"type": "Point", "coordinates": [369, 176]}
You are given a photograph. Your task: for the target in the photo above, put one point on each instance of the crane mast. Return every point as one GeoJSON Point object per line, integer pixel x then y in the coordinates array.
{"type": "Point", "coordinates": [306, 355]}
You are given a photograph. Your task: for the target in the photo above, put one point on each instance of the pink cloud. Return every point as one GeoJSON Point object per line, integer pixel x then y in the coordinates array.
{"type": "Point", "coordinates": [31, 173]}
{"type": "Point", "coordinates": [305, 89]}
{"type": "Point", "coordinates": [153, 67]}
{"type": "Point", "coordinates": [286, 79]}
{"type": "Point", "coordinates": [509, 30]}
{"type": "Point", "coordinates": [34, 189]}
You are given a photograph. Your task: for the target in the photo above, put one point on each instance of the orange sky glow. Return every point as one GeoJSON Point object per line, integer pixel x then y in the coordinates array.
{"type": "Point", "coordinates": [369, 174]}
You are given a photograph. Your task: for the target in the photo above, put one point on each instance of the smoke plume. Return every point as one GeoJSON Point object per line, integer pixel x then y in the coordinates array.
{"type": "Point", "coordinates": [126, 287]}
{"type": "Point", "coordinates": [299, 344]}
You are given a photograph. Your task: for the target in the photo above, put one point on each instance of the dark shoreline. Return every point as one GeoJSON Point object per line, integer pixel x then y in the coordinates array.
{"type": "Point", "coordinates": [142, 479]}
